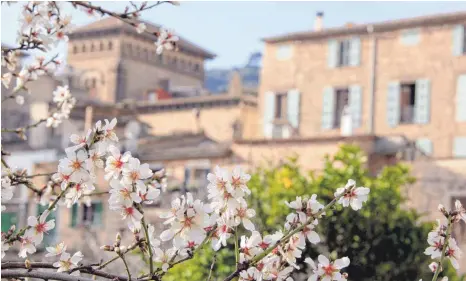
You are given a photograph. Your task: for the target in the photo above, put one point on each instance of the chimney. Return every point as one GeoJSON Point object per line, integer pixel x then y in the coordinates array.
{"type": "Point", "coordinates": [318, 23]}
{"type": "Point", "coordinates": [235, 88]}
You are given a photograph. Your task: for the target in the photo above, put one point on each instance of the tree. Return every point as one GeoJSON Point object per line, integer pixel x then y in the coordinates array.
{"type": "Point", "coordinates": [193, 226]}
{"type": "Point", "coordinates": [386, 240]}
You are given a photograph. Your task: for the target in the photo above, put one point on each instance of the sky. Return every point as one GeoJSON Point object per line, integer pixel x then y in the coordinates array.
{"type": "Point", "coordinates": [233, 30]}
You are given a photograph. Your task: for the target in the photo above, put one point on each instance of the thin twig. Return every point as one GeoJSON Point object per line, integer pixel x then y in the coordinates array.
{"type": "Point", "coordinates": [444, 250]}
{"type": "Point", "coordinates": [126, 266]}
{"type": "Point", "coordinates": [45, 275]}
{"type": "Point", "coordinates": [214, 259]}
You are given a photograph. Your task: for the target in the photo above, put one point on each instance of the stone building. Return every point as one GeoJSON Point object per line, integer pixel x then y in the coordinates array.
{"type": "Point", "coordinates": [403, 83]}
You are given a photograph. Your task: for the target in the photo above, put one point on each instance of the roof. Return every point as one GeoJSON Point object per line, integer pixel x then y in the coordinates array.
{"type": "Point", "coordinates": [180, 147]}
{"type": "Point", "coordinates": [431, 20]}
{"type": "Point", "coordinates": [114, 24]}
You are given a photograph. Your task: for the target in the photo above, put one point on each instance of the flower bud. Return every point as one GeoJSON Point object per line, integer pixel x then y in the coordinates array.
{"type": "Point", "coordinates": [107, 248]}
{"type": "Point", "coordinates": [27, 264]}
{"type": "Point", "coordinates": [118, 237]}
{"type": "Point", "coordinates": [443, 210]}
{"type": "Point", "coordinates": [122, 248]}
{"type": "Point", "coordinates": [117, 250]}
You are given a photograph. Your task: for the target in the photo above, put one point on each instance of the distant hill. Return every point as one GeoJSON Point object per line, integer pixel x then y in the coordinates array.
{"type": "Point", "coordinates": [217, 80]}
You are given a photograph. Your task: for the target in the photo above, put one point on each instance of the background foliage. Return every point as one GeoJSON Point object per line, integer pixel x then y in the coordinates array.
{"type": "Point", "coordinates": [383, 240]}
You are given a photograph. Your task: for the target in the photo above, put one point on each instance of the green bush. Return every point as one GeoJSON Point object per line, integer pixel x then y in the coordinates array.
{"type": "Point", "coordinates": [383, 240]}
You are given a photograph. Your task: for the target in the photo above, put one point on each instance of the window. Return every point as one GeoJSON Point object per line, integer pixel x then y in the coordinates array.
{"type": "Point", "coordinates": [92, 47]}
{"type": "Point", "coordinates": [344, 53]}
{"type": "Point", "coordinates": [87, 215]}
{"type": "Point", "coordinates": [407, 102]}
{"type": "Point", "coordinates": [459, 229]}
{"type": "Point", "coordinates": [284, 52]}
{"type": "Point", "coordinates": [101, 46]}
{"type": "Point", "coordinates": [459, 147]}
{"type": "Point", "coordinates": [280, 106]}
{"type": "Point", "coordinates": [196, 177]}
{"type": "Point", "coordinates": [75, 49]}
{"type": "Point", "coordinates": [110, 45]}
{"type": "Point", "coordinates": [341, 101]}
{"type": "Point", "coordinates": [197, 67]}
{"type": "Point", "coordinates": [84, 48]}
{"type": "Point", "coordinates": [152, 96]}
{"type": "Point", "coordinates": [410, 37]}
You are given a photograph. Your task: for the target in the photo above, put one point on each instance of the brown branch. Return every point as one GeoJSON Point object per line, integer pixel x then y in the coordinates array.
{"type": "Point", "coordinates": [42, 275]}
{"type": "Point", "coordinates": [88, 269]}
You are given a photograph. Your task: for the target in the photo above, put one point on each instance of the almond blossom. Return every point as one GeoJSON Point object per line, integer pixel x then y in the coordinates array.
{"type": "Point", "coordinates": [39, 226]}
{"type": "Point", "coordinates": [131, 215]}
{"type": "Point", "coordinates": [135, 173]}
{"type": "Point", "coordinates": [166, 40]}
{"type": "Point", "coordinates": [68, 262]}
{"type": "Point", "coordinates": [460, 212]}
{"type": "Point", "coordinates": [164, 257]}
{"type": "Point", "coordinates": [328, 271]}
{"type": "Point", "coordinates": [115, 162]}
{"type": "Point", "coordinates": [76, 162]}
{"type": "Point", "coordinates": [122, 195]}
{"type": "Point", "coordinates": [453, 253]}
{"type": "Point", "coordinates": [56, 250]}
{"type": "Point", "coordinates": [27, 245]}
{"type": "Point", "coordinates": [354, 197]}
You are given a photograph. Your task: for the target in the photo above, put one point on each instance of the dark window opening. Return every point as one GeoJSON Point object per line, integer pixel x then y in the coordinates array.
{"type": "Point", "coordinates": [344, 53]}
{"type": "Point", "coordinates": [75, 49]}
{"type": "Point", "coordinates": [101, 46]}
{"type": "Point", "coordinates": [84, 48]}
{"type": "Point", "coordinates": [280, 106]}
{"type": "Point", "coordinates": [110, 45]}
{"type": "Point", "coordinates": [92, 47]}
{"type": "Point", "coordinates": [341, 101]}
{"type": "Point", "coordinates": [197, 67]}
{"type": "Point", "coordinates": [407, 102]}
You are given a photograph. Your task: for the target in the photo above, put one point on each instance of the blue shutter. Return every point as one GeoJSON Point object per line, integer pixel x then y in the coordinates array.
{"type": "Point", "coordinates": [425, 145]}
{"type": "Point", "coordinates": [328, 108]}
{"type": "Point", "coordinates": [269, 110]}
{"type": "Point", "coordinates": [9, 219]}
{"type": "Point", "coordinates": [355, 52]}
{"type": "Point", "coordinates": [74, 215]}
{"type": "Point", "coordinates": [98, 214]}
{"type": "Point", "coordinates": [393, 104]}
{"type": "Point", "coordinates": [293, 107]}
{"type": "Point", "coordinates": [461, 98]}
{"type": "Point", "coordinates": [332, 53]}
{"type": "Point", "coordinates": [355, 103]}
{"type": "Point", "coordinates": [458, 40]}
{"type": "Point", "coordinates": [459, 147]}
{"type": "Point", "coordinates": [422, 103]}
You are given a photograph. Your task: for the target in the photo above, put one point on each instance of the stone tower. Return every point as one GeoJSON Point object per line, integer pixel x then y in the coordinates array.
{"type": "Point", "coordinates": [117, 63]}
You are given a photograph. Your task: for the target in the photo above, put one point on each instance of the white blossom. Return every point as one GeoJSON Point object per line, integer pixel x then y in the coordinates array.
{"type": "Point", "coordinates": [56, 250]}
{"type": "Point", "coordinates": [354, 197]}
{"type": "Point", "coordinates": [68, 262]}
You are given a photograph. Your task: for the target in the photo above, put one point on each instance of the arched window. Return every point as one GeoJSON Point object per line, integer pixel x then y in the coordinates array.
{"type": "Point", "coordinates": [101, 46]}
{"type": "Point", "coordinates": [110, 45]}
{"type": "Point", "coordinates": [92, 47]}
{"type": "Point", "coordinates": [75, 49]}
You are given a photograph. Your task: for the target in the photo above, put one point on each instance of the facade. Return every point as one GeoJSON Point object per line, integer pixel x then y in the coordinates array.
{"type": "Point", "coordinates": [400, 79]}
{"type": "Point", "coordinates": [118, 63]}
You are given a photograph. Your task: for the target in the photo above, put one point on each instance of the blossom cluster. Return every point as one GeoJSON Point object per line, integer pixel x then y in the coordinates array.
{"type": "Point", "coordinates": [64, 102]}
{"type": "Point", "coordinates": [440, 240]}
{"type": "Point", "coordinates": [281, 261]}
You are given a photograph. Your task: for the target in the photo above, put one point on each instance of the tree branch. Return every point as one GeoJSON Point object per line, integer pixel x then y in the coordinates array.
{"type": "Point", "coordinates": [45, 275]}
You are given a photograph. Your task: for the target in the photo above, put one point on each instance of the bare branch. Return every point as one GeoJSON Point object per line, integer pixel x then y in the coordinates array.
{"type": "Point", "coordinates": [42, 275]}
